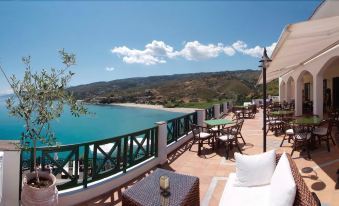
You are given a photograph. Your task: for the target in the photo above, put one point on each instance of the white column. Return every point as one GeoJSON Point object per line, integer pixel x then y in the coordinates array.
{"type": "Point", "coordinates": [318, 95]}
{"type": "Point", "coordinates": [216, 110]}
{"type": "Point", "coordinates": [10, 174]}
{"type": "Point", "coordinates": [225, 107]}
{"type": "Point", "coordinates": [298, 98]}
{"type": "Point", "coordinates": [200, 117]}
{"type": "Point", "coordinates": [162, 142]}
{"type": "Point", "coordinates": [288, 91]}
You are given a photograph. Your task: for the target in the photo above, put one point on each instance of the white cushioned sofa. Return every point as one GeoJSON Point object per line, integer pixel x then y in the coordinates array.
{"type": "Point", "coordinates": [276, 193]}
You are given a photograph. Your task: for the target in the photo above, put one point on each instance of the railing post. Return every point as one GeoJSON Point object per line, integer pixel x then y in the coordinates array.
{"type": "Point", "coordinates": [225, 107]}
{"type": "Point", "coordinates": [10, 174]}
{"type": "Point", "coordinates": [162, 142]}
{"type": "Point", "coordinates": [200, 117]}
{"type": "Point", "coordinates": [216, 111]}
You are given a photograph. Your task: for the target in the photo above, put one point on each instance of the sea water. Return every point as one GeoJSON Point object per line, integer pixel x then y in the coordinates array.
{"type": "Point", "coordinates": [104, 122]}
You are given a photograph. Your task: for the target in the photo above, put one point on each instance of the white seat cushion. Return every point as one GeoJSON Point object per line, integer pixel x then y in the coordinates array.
{"type": "Point", "coordinates": [226, 137]}
{"type": "Point", "coordinates": [244, 196]}
{"type": "Point", "coordinates": [204, 135]}
{"type": "Point", "coordinates": [320, 131]}
{"type": "Point", "coordinates": [254, 170]}
{"type": "Point", "coordinates": [302, 136]}
{"type": "Point", "coordinates": [289, 132]}
{"type": "Point", "coordinates": [283, 188]}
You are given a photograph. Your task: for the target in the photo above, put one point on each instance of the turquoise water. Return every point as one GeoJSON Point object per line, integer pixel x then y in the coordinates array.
{"type": "Point", "coordinates": [108, 121]}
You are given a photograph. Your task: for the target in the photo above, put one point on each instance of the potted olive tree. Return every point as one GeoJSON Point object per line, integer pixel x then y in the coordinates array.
{"type": "Point", "coordinates": [38, 99]}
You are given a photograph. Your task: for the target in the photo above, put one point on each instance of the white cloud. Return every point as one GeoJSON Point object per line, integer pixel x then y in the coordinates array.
{"type": "Point", "coordinates": [154, 53]}
{"type": "Point", "coordinates": [158, 52]}
{"type": "Point", "coordinates": [109, 69]}
{"type": "Point", "coordinates": [196, 51]}
{"type": "Point", "coordinates": [256, 51]}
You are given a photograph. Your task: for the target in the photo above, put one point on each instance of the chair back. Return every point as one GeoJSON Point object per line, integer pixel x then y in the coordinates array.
{"type": "Point", "coordinates": [195, 130]}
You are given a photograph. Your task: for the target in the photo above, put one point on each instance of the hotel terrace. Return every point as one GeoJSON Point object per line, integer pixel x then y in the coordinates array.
{"type": "Point", "coordinates": [120, 170]}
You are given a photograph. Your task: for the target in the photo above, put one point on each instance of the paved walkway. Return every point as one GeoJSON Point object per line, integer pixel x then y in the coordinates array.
{"type": "Point", "coordinates": [213, 169]}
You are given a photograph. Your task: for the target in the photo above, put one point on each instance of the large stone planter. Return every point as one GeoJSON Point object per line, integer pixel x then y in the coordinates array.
{"type": "Point", "coordinates": [31, 196]}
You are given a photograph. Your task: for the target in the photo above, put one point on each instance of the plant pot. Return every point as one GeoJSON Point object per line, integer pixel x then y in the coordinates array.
{"type": "Point", "coordinates": [32, 196]}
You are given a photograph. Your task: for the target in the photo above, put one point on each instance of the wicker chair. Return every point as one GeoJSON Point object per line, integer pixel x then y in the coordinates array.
{"type": "Point", "coordinates": [288, 130]}
{"type": "Point", "coordinates": [301, 139]}
{"type": "Point", "coordinates": [200, 135]}
{"type": "Point", "coordinates": [324, 133]}
{"type": "Point", "coordinates": [229, 138]}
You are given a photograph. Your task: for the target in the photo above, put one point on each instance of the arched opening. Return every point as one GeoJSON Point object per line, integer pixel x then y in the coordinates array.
{"type": "Point", "coordinates": [305, 83]}
{"type": "Point", "coordinates": [330, 75]}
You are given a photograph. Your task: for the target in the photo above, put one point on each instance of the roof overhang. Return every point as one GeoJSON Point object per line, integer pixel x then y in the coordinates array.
{"type": "Point", "coordinates": [300, 43]}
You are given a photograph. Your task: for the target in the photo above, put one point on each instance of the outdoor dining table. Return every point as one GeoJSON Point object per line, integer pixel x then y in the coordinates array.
{"type": "Point", "coordinates": [218, 122]}
{"type": "Point", "coordinates": [310, 121]}
{"type": "Point", "coordinates": [282, 113]}
{"type": "Point", "coordinates": [184, 190]}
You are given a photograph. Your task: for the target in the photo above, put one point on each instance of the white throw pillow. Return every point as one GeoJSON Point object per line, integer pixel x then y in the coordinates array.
{"type": "Point", "coordinates": [283, 188]}
{"type": "Point", "coordinates": [254, 170]}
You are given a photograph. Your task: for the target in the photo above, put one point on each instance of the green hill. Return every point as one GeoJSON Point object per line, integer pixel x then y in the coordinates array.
{"type": "Point", "coordinates": [195, 90]}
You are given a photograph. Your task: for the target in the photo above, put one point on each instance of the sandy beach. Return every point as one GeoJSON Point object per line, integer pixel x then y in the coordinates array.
{"type": "Point", "coordinates": [158, 107]}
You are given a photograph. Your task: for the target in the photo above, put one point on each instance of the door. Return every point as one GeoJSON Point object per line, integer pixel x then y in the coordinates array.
{"type": "Point", "coordinates": [335, 93]}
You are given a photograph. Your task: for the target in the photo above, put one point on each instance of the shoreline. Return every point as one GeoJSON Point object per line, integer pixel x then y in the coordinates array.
{"type": "Point", "coordinates": [156, 107]}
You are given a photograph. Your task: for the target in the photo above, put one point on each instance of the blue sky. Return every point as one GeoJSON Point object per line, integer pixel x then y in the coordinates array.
{"type": "Point", "coordinates": [114, 40]}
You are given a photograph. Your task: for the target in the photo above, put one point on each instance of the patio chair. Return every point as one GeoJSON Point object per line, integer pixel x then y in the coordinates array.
{"type": "Point", "coordinates": [288, 130]}
{"type": "Point", "coordinates": [324, 133]}
{"type": "Point", "coordinates": [229, 139]}
{"type": "Point", "coordinates": [301, 139]}
{"type": "Point", "coordinates": [237, 131]}
{"type": "Point", "coordinates": [200, 135]}
{"type": "Point", "coordinates": [273, 123]}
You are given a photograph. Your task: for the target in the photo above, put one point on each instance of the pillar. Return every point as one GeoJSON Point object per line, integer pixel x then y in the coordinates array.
{"type": "Point", "coordinates": [10, 173]}
{"type": "Point", "coordinates": [298, 97]}
{"type": "Point", "coordinates": [318, 95]}
{"type": "Point", "coordinates": [225, 107]}
{"type": "Point", "coordinates": [200, 117]}
{"type": "Point", "coordinates": [162, 142]}
{"type": "Point", "coordinates": [216, 111]}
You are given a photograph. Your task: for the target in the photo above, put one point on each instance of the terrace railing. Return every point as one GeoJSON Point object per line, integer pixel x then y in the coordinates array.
{"type": "Point", "coordinates": [209, 113]}
{"type": "Point", "coordinates": [80, 164]}
{"type": "Point", "coordinates": [180, 126]}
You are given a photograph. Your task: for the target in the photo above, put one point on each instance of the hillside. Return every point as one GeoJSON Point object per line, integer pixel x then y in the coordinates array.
{"type": "Point", "coordinates": [175, 90]}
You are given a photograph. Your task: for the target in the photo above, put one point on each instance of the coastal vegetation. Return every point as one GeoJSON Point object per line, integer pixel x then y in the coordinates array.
{"type": "Point", "coordinates": [198, 90]}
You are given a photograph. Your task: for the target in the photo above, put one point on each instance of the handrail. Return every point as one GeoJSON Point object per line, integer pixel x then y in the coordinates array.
{"type": "Point", "coordinates": [80, 164]}
{"type": "Point", "coordinates": [180, 126]}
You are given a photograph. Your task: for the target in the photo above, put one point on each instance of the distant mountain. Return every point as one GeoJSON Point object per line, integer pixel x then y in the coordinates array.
{"type": "Point", "coordinates": [175, 89]}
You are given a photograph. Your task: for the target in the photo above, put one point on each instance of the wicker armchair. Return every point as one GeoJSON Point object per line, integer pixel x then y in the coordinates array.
{"type": "Point", "coordinates": [303, 197]}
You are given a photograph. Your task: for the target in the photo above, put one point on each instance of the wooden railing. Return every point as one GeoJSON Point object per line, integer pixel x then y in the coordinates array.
{"type": "Point", "coordinates": [80, 164]}
{"type": "Point", "coordinates": [180, 126]}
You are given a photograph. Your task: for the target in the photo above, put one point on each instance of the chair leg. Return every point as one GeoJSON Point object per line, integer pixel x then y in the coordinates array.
{"type": "Point", "coordinates": [226, 150]}
{"type": "Point", "coordinates": [199, 147]}
{"type": "Point", "coordinates": [332, 139]}
{"type": "Point", "coordinates": [238, 147]}
{"type": "Point", "coordinates": [282, 142]}
{"type": "Point", "coordinates": [328, 144]}
{"type": "Point", "coordinates": [242, 138]}
{"type": "Point", "coordinates": [308, 149]}
{"type": "Point", "coordinates": [193, 141]}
